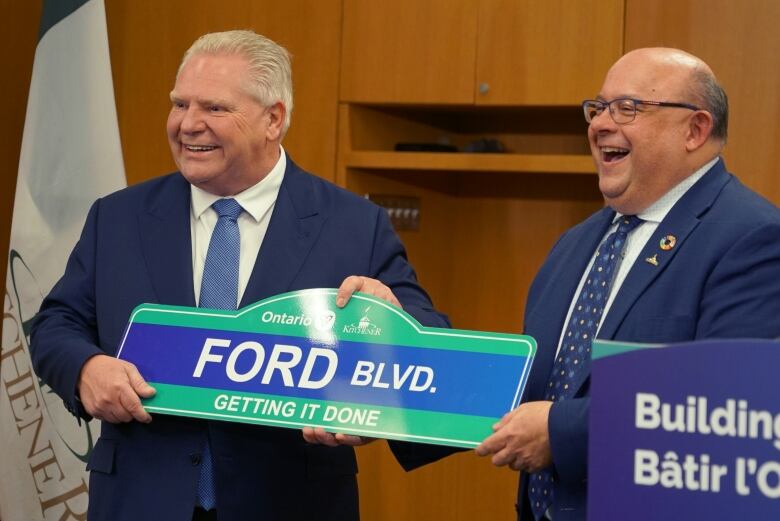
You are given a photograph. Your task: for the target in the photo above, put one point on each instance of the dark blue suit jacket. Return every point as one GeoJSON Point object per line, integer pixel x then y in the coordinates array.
{"type": "Point", "coordinates": [135, 248]}
{"type": "Point", "coordinates": [721, 280]}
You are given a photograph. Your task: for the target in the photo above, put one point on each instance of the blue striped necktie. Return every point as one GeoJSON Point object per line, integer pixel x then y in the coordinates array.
{"type": "Point", "coordinates": [574, 355]}
{"type": "Point", "coordinates": [219, 290]}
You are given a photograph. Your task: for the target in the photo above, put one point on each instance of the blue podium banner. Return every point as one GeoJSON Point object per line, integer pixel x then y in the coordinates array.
{"type": "Point", "coordinates": [689, 431]}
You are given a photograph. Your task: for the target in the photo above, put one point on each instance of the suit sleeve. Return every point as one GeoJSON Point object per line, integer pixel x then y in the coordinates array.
{"type": "Point", "coordinates": [568, 430]}
{"type": "Point", "coordinates": [390, 265]}
{"type": "Point", "coordinates": [742, 295]}
{"type": "Point", "coordinates": [64, 332]}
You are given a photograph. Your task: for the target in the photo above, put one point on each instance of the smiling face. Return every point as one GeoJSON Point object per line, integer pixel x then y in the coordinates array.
{"type": "Point", "coordinates": [222, 139]}
{"type": "Point", "coordinates": [638, 162]}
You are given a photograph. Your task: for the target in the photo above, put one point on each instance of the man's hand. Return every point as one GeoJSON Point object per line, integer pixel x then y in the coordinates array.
{"type": "Point", "coordinates": [110, 388]}
{"type": "Point", "coordinates": [366, 285]}
{"type": "Point", "coordinates": [318, 436]}
{"type": "Point", "coordinates": [521, 439]}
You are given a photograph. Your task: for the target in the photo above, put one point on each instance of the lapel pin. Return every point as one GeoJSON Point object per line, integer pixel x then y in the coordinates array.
{"type": "Point", "coordinates": [668, 242]}
{"type": "Point", "coordinates": [652, 260]}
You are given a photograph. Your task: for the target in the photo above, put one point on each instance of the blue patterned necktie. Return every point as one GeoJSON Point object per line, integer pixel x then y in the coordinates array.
{"type": "Point", "coordinates": [574, 355]}
{"type": "Point", "coordinates": [219, 290]}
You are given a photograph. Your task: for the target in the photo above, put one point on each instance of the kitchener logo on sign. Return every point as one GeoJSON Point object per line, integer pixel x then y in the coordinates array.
{"type": "Point", "coordinates": [364, 326]}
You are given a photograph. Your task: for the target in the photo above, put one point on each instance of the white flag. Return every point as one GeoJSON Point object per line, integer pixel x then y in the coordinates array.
{"type": "Point", "coordinates": [70, 156]}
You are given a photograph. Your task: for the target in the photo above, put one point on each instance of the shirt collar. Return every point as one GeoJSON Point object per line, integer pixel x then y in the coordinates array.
{"type": "Point", "coordinates": [657, 211]}
{"type": "Point", "coordinates": [255, 200]}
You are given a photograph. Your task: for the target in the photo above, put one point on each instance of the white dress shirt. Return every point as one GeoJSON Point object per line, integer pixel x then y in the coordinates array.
{"type": "Point", "coordinates": [258, 203]}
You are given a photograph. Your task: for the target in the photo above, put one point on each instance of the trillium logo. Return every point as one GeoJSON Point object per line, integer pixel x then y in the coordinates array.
{"type": "Point", "coordinates": [364, 326]}
{"type": "Point", "coordinates": [325, 321]}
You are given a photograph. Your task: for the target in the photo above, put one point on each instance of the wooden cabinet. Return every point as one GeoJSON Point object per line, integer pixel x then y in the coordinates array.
{"type": "Point", "coordinates": [409, 51]}
{"type": "Point", "coordinates": [473, 235]}
{"type": "Point", "coordinates": [483, 52]}
{"type": "Point", "coordinates": [456, 72]}
{"type": "Point", "coordinates": [545, 52]}
{"type": "Point", "coordinates": [536, 139]}
{"type": "Point", "coordinates": [486, 223]}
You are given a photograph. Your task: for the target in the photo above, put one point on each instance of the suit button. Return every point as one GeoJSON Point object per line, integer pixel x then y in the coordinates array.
{"type": "Point", "coordinates": [195, 458]}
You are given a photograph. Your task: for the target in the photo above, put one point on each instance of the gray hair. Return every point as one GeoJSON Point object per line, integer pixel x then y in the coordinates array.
{"type": "Point", "coordinates": [713, 99]}
{"type": "Point", "coordinates": [270, 75]}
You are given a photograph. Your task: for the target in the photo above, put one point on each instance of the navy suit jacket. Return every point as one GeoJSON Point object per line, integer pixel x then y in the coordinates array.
{"type": "Point", "coordinates": [720, 280]}
{"type": "Point", "coordinates": [136, 248]}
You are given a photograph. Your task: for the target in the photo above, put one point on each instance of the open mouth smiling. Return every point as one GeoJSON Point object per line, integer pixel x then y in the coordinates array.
{"type": "Point", "coordinates": [200, 148]}
{"type": "Point", "coordinates": [613, 154]}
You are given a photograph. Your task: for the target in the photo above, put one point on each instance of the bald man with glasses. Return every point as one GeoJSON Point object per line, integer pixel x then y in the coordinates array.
{"type": "Point", "coordinates": [681, 251]}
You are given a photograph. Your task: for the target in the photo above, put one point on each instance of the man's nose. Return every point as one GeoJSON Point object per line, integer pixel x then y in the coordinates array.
{"type": "Point", "coordinates": [193, 121]}
{"type": "Point", "coordinates": [602, 122]}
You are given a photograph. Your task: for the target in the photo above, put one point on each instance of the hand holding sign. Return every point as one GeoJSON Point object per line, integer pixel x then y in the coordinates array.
{"type": "Point", "coordinates": [521, 439]}
{"type": "Point", "coordinates": [364, 285]}
{"type": "Point", "coordinates": [318, 435]}
{"type": "Point", "coordinates": [110, 390]}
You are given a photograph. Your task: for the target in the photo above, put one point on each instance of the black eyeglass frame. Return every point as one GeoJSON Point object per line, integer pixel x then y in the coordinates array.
{"type": "Point", "coordinates": [608, 104]}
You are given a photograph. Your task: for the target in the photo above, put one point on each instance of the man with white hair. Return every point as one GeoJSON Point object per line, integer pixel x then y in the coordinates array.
{"type": "Point", "coordinates": [682, 251]}
{"type": "Point", "coordinates": [238, 223]}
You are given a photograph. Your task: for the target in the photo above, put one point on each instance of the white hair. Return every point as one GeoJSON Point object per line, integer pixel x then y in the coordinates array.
{"type": "Point", "coordinates": [270, 75]}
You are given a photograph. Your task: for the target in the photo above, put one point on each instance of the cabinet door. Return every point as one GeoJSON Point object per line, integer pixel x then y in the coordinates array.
{"type": "Point", "coordinates": [409, 51]}
{"type": "Point", "coordinates": [739, 41]}
{"type": "Point", "coordinates": [545, 52]}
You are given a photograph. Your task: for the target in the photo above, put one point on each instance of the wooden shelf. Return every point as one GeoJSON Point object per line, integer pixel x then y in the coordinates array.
{"type": "Point", "coordinates": [531, 163]}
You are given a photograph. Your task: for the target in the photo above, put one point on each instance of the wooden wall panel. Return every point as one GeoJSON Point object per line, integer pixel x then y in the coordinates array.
{"type": "Point", "coordinates": [461, 487]}
{"type": "Point", "coordinates": [409, 51]}
{"type": "Point", "coordinates": [503, 228]}
{"type": "Point", "coordinates": [741, 42]}
{"type": "Point", "coordinates": [148, 38]}
{"type": "Point", "coordinates": [546, 52]}
{"type": "Point", "coordinates": [19, 36]}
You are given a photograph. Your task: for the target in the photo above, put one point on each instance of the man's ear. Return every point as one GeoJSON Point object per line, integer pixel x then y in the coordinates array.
{"type": "Point", "coordinates": [276, 116]}
{"type": "Point", "coordinates": [699, 130]}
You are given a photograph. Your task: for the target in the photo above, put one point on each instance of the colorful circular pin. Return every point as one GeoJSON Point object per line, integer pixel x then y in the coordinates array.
{"type": "Point", "coordinates": [668, 242]}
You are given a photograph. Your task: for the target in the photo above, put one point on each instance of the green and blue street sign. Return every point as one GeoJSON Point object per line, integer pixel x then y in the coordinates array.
{"type": "Point", "coordinates": [297, 360]}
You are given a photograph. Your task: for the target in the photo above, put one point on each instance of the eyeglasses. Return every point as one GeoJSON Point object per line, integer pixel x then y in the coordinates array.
{"type": "Point", "coordinates": [623, 110]}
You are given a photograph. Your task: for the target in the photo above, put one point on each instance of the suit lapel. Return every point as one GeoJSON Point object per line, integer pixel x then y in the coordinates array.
{"type": "Point", "coordinates": [295, 224]}
{"type": "Point", "coordinates": [164, 224]}
{"type": "Point", "coordinates": [639, 278]}
{"type": "Point", "coordinates": [556, 297]}
{"type": "Point", "coordinates": [681, 220]}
